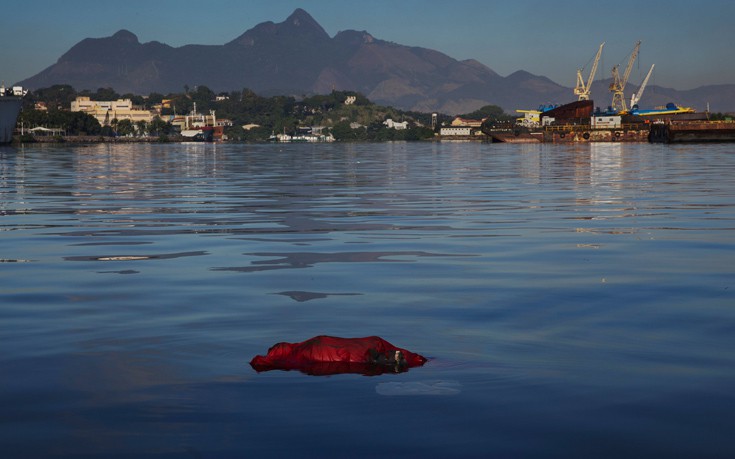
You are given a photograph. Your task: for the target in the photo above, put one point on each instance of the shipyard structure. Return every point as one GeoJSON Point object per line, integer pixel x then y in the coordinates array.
{"type": "Point", "coordinates": [579, 121]}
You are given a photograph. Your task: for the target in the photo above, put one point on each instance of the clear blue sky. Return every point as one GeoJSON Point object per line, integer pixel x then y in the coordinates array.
{"type": "Point", "coordinates": [691, 42]}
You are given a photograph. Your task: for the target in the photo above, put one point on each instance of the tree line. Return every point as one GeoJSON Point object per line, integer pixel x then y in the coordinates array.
{"type": "Point", "coordinates": [360, 120]}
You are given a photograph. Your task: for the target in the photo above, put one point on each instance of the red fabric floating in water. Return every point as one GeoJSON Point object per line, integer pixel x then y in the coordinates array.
{"type": "Point", "coordinates": [327, 355]}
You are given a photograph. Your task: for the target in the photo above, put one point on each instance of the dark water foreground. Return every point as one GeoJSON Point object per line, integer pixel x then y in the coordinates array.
{"type": "Point", "coordinates": [575, 301]}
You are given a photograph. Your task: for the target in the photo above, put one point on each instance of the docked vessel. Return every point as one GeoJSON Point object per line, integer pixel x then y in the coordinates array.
{"type": "Point", "coordinates": [11, 100]}
{"type": "Point", "coordinates": [196, 127]}
{"type": "Point", "coordinates": [514, 135]}
{"type": "Point", "coordinates": [670, 109]}
{"type": "Point", "coordinates": [692, 131]}
{"type": "Point", "coordinates": [573, 122]}
{"type": "Point", "coordinates": [576, 122]}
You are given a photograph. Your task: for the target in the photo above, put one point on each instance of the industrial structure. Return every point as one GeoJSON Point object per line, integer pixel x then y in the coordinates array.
{"type": "Point", "coordinates": [618, 85]}
{"type": "Point", "coordinates": [582, 89]}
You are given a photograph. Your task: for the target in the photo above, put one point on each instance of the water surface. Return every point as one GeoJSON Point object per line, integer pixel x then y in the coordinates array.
{"type": "Point", "coordinates": [575, 301]}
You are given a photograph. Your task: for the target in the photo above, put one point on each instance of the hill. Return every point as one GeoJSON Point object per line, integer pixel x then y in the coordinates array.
{"type": "Point", "coordinates": [298, 57]}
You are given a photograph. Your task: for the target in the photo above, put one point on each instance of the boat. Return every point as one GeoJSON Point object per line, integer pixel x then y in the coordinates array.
{"type": "Point", "coordinates": [303, 135]}
{"type": "Point", "coordinates": [196, 127]}
{"type": "Point", "coordinates": [11, 100]}
{"type": "Point", "coordinates": [523, 130]}
{"type": "Point", "coordinates": [511, 133]}
{"type": "Point", "coordinates": [670, 109]}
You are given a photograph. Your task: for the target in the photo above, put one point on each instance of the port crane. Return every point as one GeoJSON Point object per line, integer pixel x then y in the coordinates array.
{"type": "Point", "coordinates": [582, 90]}
{"type": "Point", "coordinates": [636, 97]}
{"type": "Point", "coordinates": [618, 85]}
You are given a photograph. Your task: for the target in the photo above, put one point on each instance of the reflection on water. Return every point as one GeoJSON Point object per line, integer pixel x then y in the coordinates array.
{"type": "Point", "coordinates": [419, 388]}
{"type": "Point", "coordinates": [309, 259]}
{"type": "Point", "coordinates": [308, 296]}
{"type": "Point", "coordinates": [571, 298]}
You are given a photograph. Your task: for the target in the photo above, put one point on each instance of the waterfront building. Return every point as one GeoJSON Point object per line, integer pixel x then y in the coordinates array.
{"type": "Point", "coordinates": [450, 131]}
{"type": "Point", "coordinates": [106, 111]}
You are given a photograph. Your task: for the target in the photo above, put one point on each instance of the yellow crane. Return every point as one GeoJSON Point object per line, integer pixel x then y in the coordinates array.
{"type": "Point", "coordinates": [618, 85]}
{"type": "Point", "coordinates": [582, 90]}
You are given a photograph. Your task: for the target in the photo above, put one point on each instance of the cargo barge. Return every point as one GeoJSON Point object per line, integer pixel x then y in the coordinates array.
{"type": "Point", "coordinates": [692, 131]}
{"type": "Point", "coordinates": [633, 132]}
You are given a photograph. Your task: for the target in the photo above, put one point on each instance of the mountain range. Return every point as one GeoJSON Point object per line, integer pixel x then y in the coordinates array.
{"type": "Point", "coordinates": [298, 57]}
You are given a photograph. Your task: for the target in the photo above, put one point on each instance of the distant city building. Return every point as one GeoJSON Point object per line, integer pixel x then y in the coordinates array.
{"type": "Point", "coordinates": [350, 100]}
{"type": "Point", "coordinates": [394, 125]}
{"type": "Point", "coordinates": [106, 111]}
{"type": "Point", "coordinates": [467, 122]}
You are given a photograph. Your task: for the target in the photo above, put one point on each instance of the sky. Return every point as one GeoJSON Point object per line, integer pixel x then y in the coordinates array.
{"type": "Point", "coordinates": [692, 43]}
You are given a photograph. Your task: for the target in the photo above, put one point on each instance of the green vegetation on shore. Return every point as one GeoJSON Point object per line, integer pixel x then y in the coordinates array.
{"type": "Point", "coordinates": [360, 120]}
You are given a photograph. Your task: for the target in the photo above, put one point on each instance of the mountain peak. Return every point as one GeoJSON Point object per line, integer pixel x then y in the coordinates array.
{"type": "Point", "coordinates": [306, 24]}
{"type": "Point", "coordinates": [125, 35]}
{"type": "Point", "coordinates": [299, 24]}
{"type": "Point", "coordinates": [298, 16]}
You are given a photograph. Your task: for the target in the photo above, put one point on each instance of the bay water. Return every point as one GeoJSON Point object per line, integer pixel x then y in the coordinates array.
{"type": "Point", "coordinates": [574, 301]}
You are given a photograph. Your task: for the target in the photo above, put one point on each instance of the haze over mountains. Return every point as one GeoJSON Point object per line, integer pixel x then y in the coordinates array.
{"type": "Point", "coordinates": [297, 57]}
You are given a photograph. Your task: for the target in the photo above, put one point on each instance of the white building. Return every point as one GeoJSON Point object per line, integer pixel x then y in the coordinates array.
{"type": "Point", "coordinates": [606, 122]}
{"type": "Point", "coordinates": [394, 125]}
{"type": "Point", "coordinates": [105, 111]}
{"type": "Point", "coordinates": [455, 131]}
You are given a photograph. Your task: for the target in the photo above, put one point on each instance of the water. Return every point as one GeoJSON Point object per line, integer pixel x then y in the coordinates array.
{"type": "Point", "coordinates": [575, 301]}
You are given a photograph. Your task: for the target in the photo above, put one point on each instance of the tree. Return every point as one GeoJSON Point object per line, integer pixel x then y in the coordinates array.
{"type": "Point", "coordinates": [154, 98]}
{"type": "Point", "coordinates": [79, 123]}
{"type": "Point", "coordinates": [492, 112]}
{"type": "Point", "coordinates": [159, 127]}
{"type": "Point", "coordinates": [74, 123]}
{"type": "Point", "coordinates": [203, 97]}
{"type": "Point", "coordinates": [57, 97]}
{"type": "Point", "coordinates": [105, 94]}
{"type": "Point", "coordinates": [342, 131]}
{"type": "Point", "coordinates": [141, 127]}
{"type": "Point", "coordinates": [125, 127]}
{"type": "Point", "coordinates": [135, 99]}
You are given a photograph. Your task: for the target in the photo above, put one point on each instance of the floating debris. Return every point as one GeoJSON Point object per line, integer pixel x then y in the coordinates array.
{"type": "Point", "coordinates": [330, 355]}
